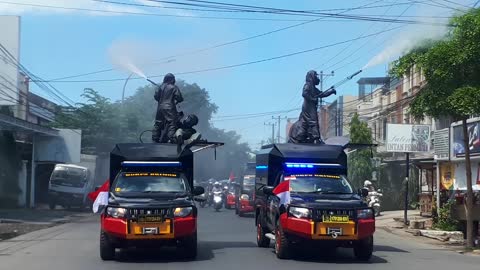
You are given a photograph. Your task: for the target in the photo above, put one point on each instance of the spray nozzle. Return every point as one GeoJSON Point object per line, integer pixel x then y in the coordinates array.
{"type": "Point", "coordinates": [152, 82]}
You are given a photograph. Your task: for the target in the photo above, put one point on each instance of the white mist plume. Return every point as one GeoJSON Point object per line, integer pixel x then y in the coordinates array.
{"type": "Point", "coordinates": [153, 59]}
{"type": "Point", "coordinates": [130, 56]}
{"type": "Point", "coordinates": [414, 35]}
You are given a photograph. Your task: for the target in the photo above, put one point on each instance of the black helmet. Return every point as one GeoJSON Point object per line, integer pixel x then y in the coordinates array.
{"type": "Point", "coordinates": [169, 78]}
{"type": "Point", "coordinates": [191, 120]}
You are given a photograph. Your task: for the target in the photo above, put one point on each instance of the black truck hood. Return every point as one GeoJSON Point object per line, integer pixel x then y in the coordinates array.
{"type": "Point", "coordinates": [167, 200]}
{"type": "Point", "coordinates": [327, 201]}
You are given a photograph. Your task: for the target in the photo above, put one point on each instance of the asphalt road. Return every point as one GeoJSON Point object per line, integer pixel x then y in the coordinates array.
{"type": "Point", "coordinates": [225, 242]}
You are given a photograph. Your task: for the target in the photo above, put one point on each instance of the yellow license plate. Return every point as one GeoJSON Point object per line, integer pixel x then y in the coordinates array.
{"type": "Point", "coordinates": [158, 228]}
{"type": "Point", "coordinates": [335, 219]}
{"type": "Point", "coordinates": [151, 219]}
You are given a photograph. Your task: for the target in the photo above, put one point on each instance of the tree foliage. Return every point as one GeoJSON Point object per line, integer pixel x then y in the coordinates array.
{"type": "Point", "coordinates": [105, 123]}
{"type": "Point", "coordinates": [452, 70]}
{"type": "Point", "coordinates": [360, 166]}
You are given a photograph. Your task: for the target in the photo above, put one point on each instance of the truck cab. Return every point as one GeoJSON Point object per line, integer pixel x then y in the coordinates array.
{"type": "Point", "coordinates": [303, 197]}
{"type": "Point", "coordinates": [151, 199]}
{"type": "Point", "coordinates": [69, 186]}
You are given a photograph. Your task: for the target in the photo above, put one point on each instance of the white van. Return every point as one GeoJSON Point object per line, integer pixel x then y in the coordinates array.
{"type": "Point", "coordinates": [69, 186]}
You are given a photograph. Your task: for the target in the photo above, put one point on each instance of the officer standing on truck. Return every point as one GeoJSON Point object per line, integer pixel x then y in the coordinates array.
{"type": "Point", "coordinates": [307, 128]}
{"type": "Point", "coordinates": [167, 95]}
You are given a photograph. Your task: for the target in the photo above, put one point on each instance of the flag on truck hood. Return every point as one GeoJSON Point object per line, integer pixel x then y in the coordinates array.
{"type": "Point", "coordinates": [100, 196]}
{"type": "Point", "coordinates": [282, 191]}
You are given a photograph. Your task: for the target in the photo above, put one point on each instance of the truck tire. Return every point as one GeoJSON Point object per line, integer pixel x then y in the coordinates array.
{"type": "Point", "coordinates": [282, 244]}
{"type": "Point", "coordinates": [190, 246]}
{"type": "Point", "coordinates": [107, 251]}
{"type": "Point", "coordinates": [262, 240]}
{"type": "Point", "coordinates": [363, 249]}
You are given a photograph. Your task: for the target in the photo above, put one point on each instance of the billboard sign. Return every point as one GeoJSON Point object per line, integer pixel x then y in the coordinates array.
{"type": "Point", "coordinates": [10, 39]}
{"type": "Point", "coordinates": [408, 138]}
{"type": "Point", "coordinates": [458, 145]}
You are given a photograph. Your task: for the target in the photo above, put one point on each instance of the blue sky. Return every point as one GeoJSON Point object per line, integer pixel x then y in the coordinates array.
{"type": "Point", "coordinates": [57, 43]}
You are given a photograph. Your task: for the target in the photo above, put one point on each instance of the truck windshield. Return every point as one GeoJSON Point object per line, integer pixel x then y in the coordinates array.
{"type": "Point", "coordinates": [329, 184]}
{"type": "Point", "coordinates": [249, 180]}
{"type": "Point", "coordinates": [69, 176]}
{"type": "Point", "coordinates": [149, 183]}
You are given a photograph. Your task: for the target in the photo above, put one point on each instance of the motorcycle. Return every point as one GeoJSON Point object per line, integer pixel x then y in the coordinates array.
{"type": "Point", "coordinates": [374, 201]}
{"type": "Point", "coordinates": [217, 200]}
{"type": "Point", "coordinates": [203, 200]}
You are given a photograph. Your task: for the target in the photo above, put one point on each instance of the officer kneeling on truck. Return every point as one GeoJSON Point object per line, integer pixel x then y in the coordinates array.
{"type": "Point", "coordinates": [303, 197]}
{"type": "Point", "coordinates": [150, 199]}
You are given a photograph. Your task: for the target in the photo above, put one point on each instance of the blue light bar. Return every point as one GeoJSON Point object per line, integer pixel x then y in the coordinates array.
{"type": "Point", "coordinates": [262, 167]}
{"type": "Point", "coordinates": [152, 163]}
{"type": "Point", "coordinates": [311, 165]}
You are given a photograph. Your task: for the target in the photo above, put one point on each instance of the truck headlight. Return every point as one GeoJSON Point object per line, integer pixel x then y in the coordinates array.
{"type": "Point", "coordinates": [300, 212]}
{"type": "Point", "coordinates": [244, 197]}
{"type": "Point", "coordinates": [116, 212]}
{"type": "Point", "coordinates": [182, 211]}
{"type": "Point", "coordinates": [365, 213]}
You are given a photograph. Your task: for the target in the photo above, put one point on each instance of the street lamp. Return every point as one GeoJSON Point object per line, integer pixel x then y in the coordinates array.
{"type": "Point", "coordinates": [125, 85]}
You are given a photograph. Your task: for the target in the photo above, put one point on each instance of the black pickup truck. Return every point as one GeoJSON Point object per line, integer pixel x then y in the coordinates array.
{"type": "Point", "coordinates": [303, 197]}
{"type": "Point", "coordinates": [151, 199]}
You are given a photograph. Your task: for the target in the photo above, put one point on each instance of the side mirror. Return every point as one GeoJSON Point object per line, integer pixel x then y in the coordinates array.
{"type": "Point", "coordinates": [197, 190]}
{"type": "Point", "coordinates": [268, 190]}
{"type": "Point", "coordinates": [363, 192]}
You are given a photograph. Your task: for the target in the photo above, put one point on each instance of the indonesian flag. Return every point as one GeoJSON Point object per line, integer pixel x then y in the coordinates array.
{"type": "Point", "coordinates": [232, 176]}
{"type": "Point", "coordinates": [282, 191]}
{"type": "Point", "coordinates": [100, 196]}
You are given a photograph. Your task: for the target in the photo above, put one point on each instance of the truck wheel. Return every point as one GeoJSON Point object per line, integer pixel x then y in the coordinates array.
{"type": "Point", "coordinates": [363, 249]}
{"type": "Point", "coordinates": [262, 240]}
{"type": "Point", "coordinates": [282, 245]}
{"type": "Point", "coordinates": [107, 251]}
{"type": "Point", "coordinates": [190, 246]}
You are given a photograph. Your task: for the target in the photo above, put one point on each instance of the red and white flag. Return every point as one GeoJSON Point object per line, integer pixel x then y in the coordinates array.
{"type": "Point", "coordinates": [282, 191]}
{"type": "Point", "coordinates": [100, 196]}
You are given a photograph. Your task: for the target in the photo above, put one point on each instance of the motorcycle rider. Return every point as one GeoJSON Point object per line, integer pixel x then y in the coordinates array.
{"type": "Point", "coordinates": [167, 95]}
{"type": "Point", "coordinates": [217, 187]}
{"type": "Point", "coordinates": [368, 185]}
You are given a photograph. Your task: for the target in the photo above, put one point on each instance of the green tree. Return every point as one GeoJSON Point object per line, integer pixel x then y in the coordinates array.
{"type": "Point", "coordinates": [104, 123]}
{"type": "Point", "coordinates": [360, 165]}
{"type": "Point", "coordinates": [452, 70]}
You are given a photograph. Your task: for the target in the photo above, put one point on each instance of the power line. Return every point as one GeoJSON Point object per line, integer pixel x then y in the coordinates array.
{"type": "Point", "coordinates": [149, 14]}
{"type": "Point", "coordinates": [224, 43]}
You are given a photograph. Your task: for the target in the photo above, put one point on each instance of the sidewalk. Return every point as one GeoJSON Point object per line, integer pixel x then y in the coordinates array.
{"type": "Point", "coordinates": [15, 222]}
{"type": "Point", "coordinates": [392, 222]}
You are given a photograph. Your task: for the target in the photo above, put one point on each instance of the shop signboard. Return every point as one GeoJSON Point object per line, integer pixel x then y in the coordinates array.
{"type": "Point", "coordinates": [408, 138]}
{"type": "Point", "coordinates": [458, 145]}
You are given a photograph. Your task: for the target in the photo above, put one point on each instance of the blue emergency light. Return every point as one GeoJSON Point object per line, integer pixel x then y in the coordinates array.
{"type": "Point", "coordinates": [262, 167]}
{"type": "Point", "coordinates": [151, 163]}
{"type": "Point", "coordinates": [311, 165]}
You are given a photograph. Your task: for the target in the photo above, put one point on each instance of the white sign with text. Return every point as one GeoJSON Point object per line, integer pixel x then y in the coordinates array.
{"type": "Point", "coordinates": [408, 138]}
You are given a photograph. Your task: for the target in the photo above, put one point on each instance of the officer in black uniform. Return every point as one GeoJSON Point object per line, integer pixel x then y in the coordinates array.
{"type": "Point", "coordinates": [167, 95]}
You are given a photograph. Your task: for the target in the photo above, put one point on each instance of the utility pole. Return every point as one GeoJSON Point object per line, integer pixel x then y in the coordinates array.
{"type": "Point", "coordinates": [273, 130]}
{"type": "Point", "coordinates": [279, 118]}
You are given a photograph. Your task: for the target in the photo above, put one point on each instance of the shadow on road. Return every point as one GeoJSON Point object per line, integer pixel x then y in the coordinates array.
{"type": "Point", "coordinates": [388, 249]}
{"type": "Point", "coordinates": [164, 255]}
{"type": "Point", "coordinates": [333, 256]}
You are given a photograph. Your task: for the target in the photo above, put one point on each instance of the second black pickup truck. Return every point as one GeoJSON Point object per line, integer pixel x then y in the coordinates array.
{"type": "Point", "coordinates": [303, 197]}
